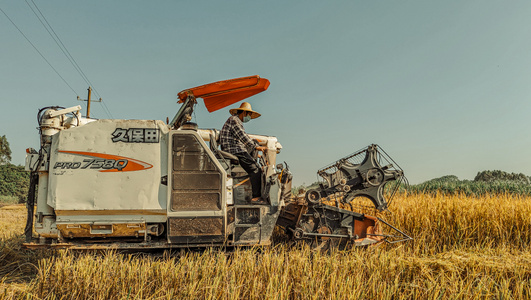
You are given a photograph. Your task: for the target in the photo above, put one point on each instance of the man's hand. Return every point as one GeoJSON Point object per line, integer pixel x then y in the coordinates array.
{"type": "Point", "coordinates": [261, 148]}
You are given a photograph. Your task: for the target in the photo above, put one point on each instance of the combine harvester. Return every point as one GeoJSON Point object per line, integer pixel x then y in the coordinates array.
{"type": "Point", "coordinates": [146, 184]}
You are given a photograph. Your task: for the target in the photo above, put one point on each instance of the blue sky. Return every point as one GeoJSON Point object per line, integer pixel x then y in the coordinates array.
{"type": "Point", "coordinates": [442, 86]}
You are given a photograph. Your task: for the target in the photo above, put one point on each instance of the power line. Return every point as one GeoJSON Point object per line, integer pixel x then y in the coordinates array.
{"type": "Point", "coordinates": [55, 38]}
{"type": "Point", "coordinates": [108, 111]}
{"type": "Point", "coordinates": [34, 47]}
{"type": "Point", "coordinates": [65, 51]}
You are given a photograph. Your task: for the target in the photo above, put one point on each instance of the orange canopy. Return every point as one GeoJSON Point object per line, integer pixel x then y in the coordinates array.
{"type": "Point", "coordinates": [223, 93]}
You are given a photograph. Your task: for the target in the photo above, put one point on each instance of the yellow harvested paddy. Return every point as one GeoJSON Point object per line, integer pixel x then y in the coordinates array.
{"type": "Point", "coordinates": [463, 248]}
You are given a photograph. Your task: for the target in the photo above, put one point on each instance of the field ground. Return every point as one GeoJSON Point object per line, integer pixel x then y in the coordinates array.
{"type": "Point", "coordinates": [464, 248]}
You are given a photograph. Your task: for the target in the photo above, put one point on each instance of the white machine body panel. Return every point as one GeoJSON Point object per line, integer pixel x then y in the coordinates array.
{"type": "Point", "coordinates": [109, 165]}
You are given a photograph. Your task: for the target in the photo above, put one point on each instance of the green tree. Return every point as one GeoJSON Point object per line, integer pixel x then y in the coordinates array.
{"type": "Point", "coordinates": [5, 151]}
{"type": "Point", "coordinates": [497, 175]}
{"type": "Point", "coordinates": [14, 181]}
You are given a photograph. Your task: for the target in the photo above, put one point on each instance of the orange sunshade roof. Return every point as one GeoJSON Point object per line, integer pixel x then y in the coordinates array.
{"type": "Point", "coordinates": [223, 93]}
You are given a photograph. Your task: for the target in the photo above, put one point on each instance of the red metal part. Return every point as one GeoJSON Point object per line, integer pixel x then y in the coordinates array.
{"type": "Point", "coordinates": [223, 93]}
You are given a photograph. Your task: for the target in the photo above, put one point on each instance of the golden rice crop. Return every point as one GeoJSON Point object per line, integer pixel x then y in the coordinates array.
{"type": "Point", "coordinates": [464, 248]}
{"type": "Point", "coordinates": [442, 222]}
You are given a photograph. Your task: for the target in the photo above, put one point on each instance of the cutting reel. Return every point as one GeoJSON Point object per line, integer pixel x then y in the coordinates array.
{"type": "Point", "coordinates": [364, 173]}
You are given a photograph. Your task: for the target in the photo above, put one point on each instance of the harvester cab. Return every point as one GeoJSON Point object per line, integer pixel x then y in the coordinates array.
{"type": "Point", "coordinates": [147, 184]}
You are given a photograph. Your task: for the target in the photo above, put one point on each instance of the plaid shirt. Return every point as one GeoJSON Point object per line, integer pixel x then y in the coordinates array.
{"type": "Point", "coordinates": [233, 138]}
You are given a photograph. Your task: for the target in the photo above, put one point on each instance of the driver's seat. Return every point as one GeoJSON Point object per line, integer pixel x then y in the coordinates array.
{"type": "Point", "coordinates": [220, 154]}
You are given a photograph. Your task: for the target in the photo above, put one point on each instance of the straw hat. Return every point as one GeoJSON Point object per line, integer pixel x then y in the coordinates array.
{"type": "Point", "coordinates": [245, 107]}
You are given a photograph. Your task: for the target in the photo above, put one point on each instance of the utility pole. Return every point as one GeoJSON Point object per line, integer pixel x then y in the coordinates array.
{"type": "Point", "coordinates": [88, 101]}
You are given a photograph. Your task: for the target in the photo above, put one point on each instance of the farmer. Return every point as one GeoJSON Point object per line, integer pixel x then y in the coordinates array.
{"type": "Point", "coordinates": [234, 140]}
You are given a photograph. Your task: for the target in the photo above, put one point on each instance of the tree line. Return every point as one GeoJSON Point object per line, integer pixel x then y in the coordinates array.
{"type": "Point", "coordinates": [14, 180]}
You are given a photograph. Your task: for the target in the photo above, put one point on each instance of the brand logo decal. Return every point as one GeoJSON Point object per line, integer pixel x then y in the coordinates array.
{"type": "Point", "coordinates": [136, 135]}
{"type": "Point", "coordinates": [103, 162]}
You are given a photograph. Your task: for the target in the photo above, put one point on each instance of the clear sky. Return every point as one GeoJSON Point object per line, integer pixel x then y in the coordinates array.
{"type": "Point", "coordinates": [442, 86]}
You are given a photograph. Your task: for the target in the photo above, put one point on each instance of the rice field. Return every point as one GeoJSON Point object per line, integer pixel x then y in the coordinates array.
{"type": "Point", "coordinates": [464, 247]}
